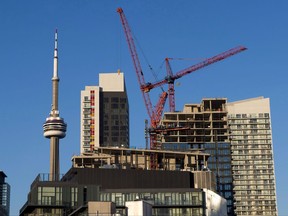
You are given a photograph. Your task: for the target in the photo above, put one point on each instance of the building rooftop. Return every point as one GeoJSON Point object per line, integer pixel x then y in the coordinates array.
{"type": "Point", "coordinates": [127, 158]}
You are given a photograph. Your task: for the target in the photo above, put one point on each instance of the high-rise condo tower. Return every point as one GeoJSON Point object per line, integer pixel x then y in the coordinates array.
{"type": "Point", "coordinates": [238, 137]}
{"type": "Point", "coordinates": [54, 127]}
{"type": "Point", "coordinates": [4, 195]}
{"type": "Point", "coordinates": [105, 113]}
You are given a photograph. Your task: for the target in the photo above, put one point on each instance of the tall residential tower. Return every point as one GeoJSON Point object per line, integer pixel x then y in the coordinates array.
{"type": "Point", "coordinates": [54, 127]}
{"type": "Point", "coordinates": [4, 195]}
{"type": "Point", "coordinates": [252, 157]}
{"type": "Point", "coordinates": [105, 113]}
{"type": "Point", "coordinates": [239, 139]}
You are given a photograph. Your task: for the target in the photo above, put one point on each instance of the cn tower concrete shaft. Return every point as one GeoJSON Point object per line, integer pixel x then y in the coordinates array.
{"type": "Point", "coordinates": [54, 159]}
{"type": "Point", "coordinates": [54, 127]}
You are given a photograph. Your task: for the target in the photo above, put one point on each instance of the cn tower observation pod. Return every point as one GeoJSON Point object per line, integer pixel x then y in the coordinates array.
{"type": "Point", "coordinates": [54, 127]}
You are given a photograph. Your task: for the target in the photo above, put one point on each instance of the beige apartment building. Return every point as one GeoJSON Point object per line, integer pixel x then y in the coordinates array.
{"type": "Point", "coordinates": [238, 137]}
{"type": "Point", "coordinates": [252, 157]}
{"type": "Point", "coordinates": [105, 113]}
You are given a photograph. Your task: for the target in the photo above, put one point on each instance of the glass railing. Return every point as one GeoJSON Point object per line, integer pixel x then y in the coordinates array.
{"type": "Point", "coordinates": [43, 177]}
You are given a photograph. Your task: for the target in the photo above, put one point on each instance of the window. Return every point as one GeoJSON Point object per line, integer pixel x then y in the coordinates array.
{"type": "Point", "coordinates": [168, 199]}
{"type": "Point", "coordinates": [50, 195]}
{"type": "Point", "coordinates": [114, 99]}
{"type": "Point", "coordinates": [123, 100]}
{"type": "Point", "coordinates": [74, 195]}
{"type": "Point", "coordinates": [114, 106]}
{"type": "Point", "coordinates": [114, 117]}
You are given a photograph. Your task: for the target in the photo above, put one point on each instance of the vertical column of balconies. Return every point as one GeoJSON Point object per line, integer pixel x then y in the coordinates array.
{"type": "Point", "coordinates": [252, 165]}
{"type": "Point", "coordinates": [88, 119]}
{"type": "Point", "coordinates": [92, 120]}
{"type": "Point", "coordinates": [86, 124]}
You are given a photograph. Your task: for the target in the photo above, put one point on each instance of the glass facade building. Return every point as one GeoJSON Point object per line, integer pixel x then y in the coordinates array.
{"type": "Point", "coordinates": [63, 200]}
{"type": "Point", "coordinates": [71, 195]}
{"type": "Point", "coordinates": [4, 195]}
{"type": "Point", "coordinates": [164, 202]}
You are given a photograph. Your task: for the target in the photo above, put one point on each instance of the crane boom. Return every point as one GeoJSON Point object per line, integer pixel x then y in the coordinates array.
{"type": "Point", "coordinates": [154, 114]}
{"type": "Point", "coordinates": [171, 78]}
{"type": "Point", "coordinates": [136, 62]}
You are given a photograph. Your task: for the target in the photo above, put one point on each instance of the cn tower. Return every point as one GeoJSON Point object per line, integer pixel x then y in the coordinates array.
{"type": "Point", "coordinates": [54, 127]}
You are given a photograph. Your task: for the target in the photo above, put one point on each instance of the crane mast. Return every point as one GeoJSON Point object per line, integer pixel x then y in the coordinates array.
{"type": "Point", "coordinates": [171, 90]}
{"type": "Point", "coordinates": [136, 61]}
{"type": "Point", "coordinates": [154, 114]}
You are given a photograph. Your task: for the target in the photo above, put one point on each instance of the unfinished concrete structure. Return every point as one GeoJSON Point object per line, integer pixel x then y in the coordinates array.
{"type": "Point", "coordinates": [207, 125]}
{"type": "Point", "coordinates": [238, 137]}
{"type": "Point", "coordinates": [141, 158]}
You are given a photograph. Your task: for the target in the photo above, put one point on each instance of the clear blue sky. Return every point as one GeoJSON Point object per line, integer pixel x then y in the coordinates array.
{"type": "Point", "coordinates": [91, 41]}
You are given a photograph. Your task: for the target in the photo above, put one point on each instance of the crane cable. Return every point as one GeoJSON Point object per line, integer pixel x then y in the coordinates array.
{"type": "Point", "coordinates": [155, 75]}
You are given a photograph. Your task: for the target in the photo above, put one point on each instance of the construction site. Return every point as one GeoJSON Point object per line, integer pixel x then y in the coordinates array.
{"type": "Point", "coordinates": [190, 162]}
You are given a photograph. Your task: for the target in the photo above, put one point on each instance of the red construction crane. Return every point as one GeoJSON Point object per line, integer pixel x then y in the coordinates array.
{"type": "Point", "coordinates": [154, 115]}
{"type": "Point", "coordinates": [170, 78]}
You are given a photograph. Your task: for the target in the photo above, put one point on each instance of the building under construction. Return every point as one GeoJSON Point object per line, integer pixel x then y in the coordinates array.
{"type": "Point", "coordinates": [214, 146]}
{"type": "Point", "coordinates": [179, 184]}
{"type": "Point", "coordinates": [238, 137]}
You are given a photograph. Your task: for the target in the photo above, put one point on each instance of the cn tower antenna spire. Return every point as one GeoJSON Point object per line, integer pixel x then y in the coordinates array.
{"type": "Point", "coordinates": [55, 71]}
{"type": "Point", "coordinates": [54, 127]}
{"type": "Point", "coordinates": [55, 79]}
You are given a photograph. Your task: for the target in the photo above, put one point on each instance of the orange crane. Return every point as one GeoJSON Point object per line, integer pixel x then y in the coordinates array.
{"type": "Point", "coordinates": [145, 87]}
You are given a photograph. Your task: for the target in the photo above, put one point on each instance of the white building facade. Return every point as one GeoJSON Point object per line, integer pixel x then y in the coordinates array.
{"type": "Point", "coordinates": [252, 157]}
